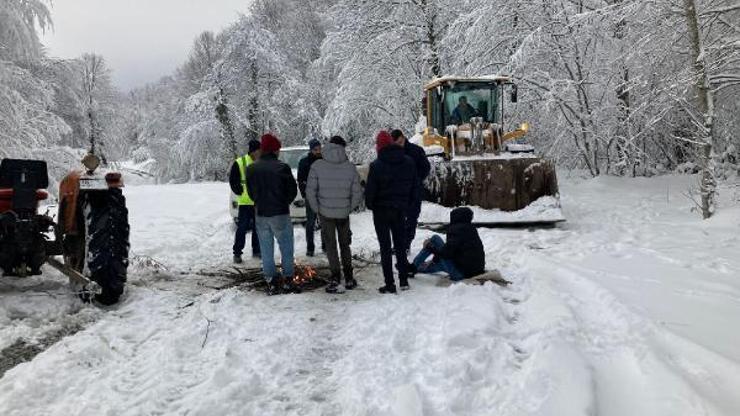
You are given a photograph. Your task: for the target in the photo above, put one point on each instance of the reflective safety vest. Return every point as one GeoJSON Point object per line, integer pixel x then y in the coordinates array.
{"type": "Point", "coordinates": [243, 162]}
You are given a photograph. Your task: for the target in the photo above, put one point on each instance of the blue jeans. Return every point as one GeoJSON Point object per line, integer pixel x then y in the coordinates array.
{"type": "Point", "coordinates": [244, 224]}
{"type": "Point", "coordinates": [269, 229]}
{"type": "Point", "coordinates": [440, 265]}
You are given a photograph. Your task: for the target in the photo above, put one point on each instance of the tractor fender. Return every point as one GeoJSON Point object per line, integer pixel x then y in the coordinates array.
{"type": "Point", "coordinates": [69, 192]}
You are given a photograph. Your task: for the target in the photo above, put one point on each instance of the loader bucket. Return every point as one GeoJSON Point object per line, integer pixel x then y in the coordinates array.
{"type": "Point", "coordinates": [506, 184]}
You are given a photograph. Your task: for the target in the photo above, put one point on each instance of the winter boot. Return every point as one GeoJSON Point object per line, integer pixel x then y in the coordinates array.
{"type": "Point", "coordinates": [411, 270]}
{"type": "Point", "coordinates": [404, 283]}
{"type": "Point", "coordinates": [387, 289]}
{"type": "Point", "coordinates": [349, 279]}
{"type": "Point", "coordinates": [287, 285]}
{"type": "Point", "coordinates": [273, 287]}
{"type": "Point", "coordinates": [334, 284]}
{"type": "Point", "coordinates": [238, 259]}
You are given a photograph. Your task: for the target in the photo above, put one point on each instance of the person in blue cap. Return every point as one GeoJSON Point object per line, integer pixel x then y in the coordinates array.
{"type": "Point", "coordinates": [304, 167]}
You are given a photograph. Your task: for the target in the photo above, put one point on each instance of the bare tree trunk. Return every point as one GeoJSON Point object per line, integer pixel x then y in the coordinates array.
{"type": "Point", "coordinates": [227, 129]}
{"type": "Point", "coordinates": [431, 16]}
{"type": "Point", "coordinates": [253, 132]}
{"type": "Point", "coordinates": [705, 104]}
{"type": "Point", "coordinates": [93, 69]}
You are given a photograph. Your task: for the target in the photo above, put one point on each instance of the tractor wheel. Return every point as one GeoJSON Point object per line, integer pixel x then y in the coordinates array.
{"type": "Point", "coordinates": [108, 243]}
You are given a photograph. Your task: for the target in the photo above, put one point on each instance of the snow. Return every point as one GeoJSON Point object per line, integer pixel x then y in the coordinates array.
{"type": "Point", "coordinates": [629, 308]}
{"type": "Point", "coordinates": [491, 156]}
{"type": "Point", "coordinates": [544, 209]}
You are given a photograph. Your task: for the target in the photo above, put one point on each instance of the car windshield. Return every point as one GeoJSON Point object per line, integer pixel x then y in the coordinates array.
{"type": "Point", "coordinates": [293, 156]}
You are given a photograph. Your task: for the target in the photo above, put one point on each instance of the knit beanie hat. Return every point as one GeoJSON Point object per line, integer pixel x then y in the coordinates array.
{"type": "Point", "coordinates": [314, 143]}
{"type": "Point", "coordinates": [382, 140]}
{"type": "Point", "coordinates": [396, 134]}
{"type": "Point", "coordinates": [269, 143]}
{"type": "Point", "coordinates": [254, 145]}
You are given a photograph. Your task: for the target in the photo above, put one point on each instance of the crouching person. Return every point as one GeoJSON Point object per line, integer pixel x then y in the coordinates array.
{"type": "Point", "coordinates": [271, 185]}
{"type": "Point", "coordinates": [461, 257]}
{"type": "Point", "coordinates": [333, 191]}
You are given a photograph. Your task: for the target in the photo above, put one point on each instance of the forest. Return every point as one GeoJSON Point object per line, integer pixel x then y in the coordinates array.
{"type": "Point", "coordinates": [612, 87]}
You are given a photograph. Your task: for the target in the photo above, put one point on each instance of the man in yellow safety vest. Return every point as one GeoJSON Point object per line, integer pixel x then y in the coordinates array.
{"type": "Point", "coordinates": [246, 219]}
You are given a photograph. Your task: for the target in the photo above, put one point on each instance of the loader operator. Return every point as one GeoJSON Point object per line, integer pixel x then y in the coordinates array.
{"type": "Point", "coordinates": [463, 112]}
{"type": "Point", "coordinates": [246, 219]}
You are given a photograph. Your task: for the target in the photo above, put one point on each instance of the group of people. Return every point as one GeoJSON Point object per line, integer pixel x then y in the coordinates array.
{"type": "Point", "coordinates": [265, 188]}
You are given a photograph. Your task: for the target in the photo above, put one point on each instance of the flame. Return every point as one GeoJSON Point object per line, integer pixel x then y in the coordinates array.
{"type": "Point", "coordinates": [303, 274]}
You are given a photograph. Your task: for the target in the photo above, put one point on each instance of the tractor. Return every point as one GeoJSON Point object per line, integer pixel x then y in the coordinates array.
{"type": "Point", "coordinates": [478, 161]}
{"type": "Point", "coordinates": [91, 234]}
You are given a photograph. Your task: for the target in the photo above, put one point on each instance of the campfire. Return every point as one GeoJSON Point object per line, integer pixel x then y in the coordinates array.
{"type": "Point", "coordinates": [304, 274]}
{"type": "Point", "coordinates": [306, 277]}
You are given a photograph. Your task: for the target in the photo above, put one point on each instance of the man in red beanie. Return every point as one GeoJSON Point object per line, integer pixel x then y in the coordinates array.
{"type": "Point", "coordinates": [389, 193]}
{"type": "Point", "coordinates": [273, 188]}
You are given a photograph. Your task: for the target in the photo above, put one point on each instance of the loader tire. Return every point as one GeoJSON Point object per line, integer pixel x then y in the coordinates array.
{"type": "Point", "coordinates": [108, 244]}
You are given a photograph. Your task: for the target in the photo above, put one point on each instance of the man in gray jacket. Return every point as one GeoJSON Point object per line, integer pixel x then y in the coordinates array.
{"type": "Point", "coordinates": [333, 190]}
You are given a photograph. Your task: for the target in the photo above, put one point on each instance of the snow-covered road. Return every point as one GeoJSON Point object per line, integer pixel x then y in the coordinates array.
{"type": "Point", "coordinates": [630, 308]}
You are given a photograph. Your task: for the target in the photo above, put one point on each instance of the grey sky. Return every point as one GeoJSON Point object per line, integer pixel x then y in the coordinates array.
{"type": "Point", "coordinates": [142, 40]}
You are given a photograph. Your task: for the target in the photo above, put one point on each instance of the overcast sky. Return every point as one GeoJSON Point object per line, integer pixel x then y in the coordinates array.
{"type": "Point", "coordinates": [142, 40]}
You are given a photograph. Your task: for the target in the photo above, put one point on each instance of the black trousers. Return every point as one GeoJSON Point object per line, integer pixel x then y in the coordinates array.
{"type": "Point", "coordinates": [244, 224]}
{"type": "Point", "coordinates": [333, 229]}
{"type": "Point", "coordinates": [390, 228]}
{"type": "Point", "coordinates": [411, 223]}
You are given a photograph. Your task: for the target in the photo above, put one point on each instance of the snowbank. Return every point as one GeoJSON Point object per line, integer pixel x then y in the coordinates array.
{"type": "Point", "coordinates": [546, 209]}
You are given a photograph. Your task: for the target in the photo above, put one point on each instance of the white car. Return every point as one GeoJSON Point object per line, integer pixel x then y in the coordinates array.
{"type": "Point", "coordinates": [292, 157]}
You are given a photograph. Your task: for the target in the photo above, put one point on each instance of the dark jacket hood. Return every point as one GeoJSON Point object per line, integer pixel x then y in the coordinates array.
{"type": "Point", "coordinates": [462, 215]}
{"type": "Point", "coordinates": [392, 154]}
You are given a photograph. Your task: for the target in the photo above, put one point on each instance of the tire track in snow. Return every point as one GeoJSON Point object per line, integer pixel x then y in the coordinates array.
{"type": "Point", "coordinates": [632, 375]}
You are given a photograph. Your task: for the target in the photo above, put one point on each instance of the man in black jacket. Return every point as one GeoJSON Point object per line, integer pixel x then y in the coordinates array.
{"type": "Point", "coordinates": [246, 218]}
{"type": "Point", "coordinates": [461, 257]}
{"type": "Point", "coordinates": [390, 190]}
{"type": "Point", "coordinates": [419, 156]}
{"type": "Point", "coordinates": [271, 185]}
{"type": "Point", "coordinates": [304, 167]}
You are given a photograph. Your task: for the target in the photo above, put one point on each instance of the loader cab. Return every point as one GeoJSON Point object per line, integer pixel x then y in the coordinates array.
{"type": "Point", "coordinates": [445, 95]}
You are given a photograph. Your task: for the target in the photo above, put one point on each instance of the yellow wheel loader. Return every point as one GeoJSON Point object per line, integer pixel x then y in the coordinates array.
{"type": "Point", "coordinates": [479, 162]}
